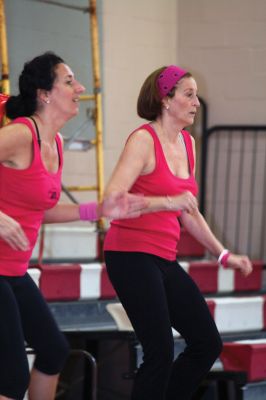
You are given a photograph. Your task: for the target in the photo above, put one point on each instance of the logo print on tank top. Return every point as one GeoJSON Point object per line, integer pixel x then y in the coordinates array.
{"type": "Point", "coordinates": [53, 194]}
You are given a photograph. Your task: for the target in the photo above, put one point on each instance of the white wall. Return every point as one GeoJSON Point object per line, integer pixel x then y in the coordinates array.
{"type": "Point", "coordinates": [224, 44]}
{"type": "Point", "coordinates": [138, 37]}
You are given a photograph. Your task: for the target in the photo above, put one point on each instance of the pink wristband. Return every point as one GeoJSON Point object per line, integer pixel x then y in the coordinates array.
{"type": "Point", "coordinates": [88, 211]}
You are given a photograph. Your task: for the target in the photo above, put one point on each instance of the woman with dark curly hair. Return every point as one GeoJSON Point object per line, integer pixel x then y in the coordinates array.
{"type": "Point", "coordinates": [31, 161]}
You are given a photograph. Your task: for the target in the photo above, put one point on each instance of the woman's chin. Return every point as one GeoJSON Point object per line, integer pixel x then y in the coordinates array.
{"type": "Point", "coordinates": [75, 112]}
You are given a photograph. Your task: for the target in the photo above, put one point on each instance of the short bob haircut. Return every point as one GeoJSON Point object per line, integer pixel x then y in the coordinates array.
{"type": "Point", "coordinates": [149, 104]}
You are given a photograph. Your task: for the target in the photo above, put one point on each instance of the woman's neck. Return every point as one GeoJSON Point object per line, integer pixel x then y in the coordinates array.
{"type": "Point", "coordinates": [168, 131]}
{"type": "Point", "coordinates": [47, 126]}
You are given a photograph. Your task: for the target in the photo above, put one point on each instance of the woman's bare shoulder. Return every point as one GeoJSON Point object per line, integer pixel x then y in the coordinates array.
{"type": "Point", "coordinates": [141, 136]}
{"type": "Point", "coordinates": [19, 131]}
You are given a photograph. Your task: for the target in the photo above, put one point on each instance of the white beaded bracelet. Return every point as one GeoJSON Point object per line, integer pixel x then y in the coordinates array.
{"type": "Point", "coordinates": [170, 202]}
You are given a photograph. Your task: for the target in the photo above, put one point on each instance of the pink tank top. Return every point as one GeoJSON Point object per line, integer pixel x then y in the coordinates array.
{"type": "Point", "coordinates": [25, 195]}
{"type": "Point", "coordinates": [158, 232]}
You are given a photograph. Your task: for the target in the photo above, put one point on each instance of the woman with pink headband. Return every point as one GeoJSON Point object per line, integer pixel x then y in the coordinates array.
{"type": "Point", "coordinates": [159, 161]}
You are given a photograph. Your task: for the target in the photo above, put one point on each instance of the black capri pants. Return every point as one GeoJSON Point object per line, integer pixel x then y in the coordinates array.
{"type": "Point", "coordinates": [158, 294]}
{"type": "Point", "coordinates": [25, 316]}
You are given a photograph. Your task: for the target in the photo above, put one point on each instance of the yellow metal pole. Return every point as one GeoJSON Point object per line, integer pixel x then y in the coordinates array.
{"type": "Point", "coordinates": [86, 97]}
{"type": "Point", "coordinates": [82, 188]}
{"type": "Point", "coordinates": [98, 96]}
{"type": "Point", "coordinates": [5, 85]}
{"type": "Point", "coordinates": [98, 117]}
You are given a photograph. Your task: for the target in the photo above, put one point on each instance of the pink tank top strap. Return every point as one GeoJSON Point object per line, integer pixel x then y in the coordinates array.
{"type": "Point", "coordinates": [25, 121]}
{"type": "Point", "coordinates": [157, 145]}
{"type": "Point", "coordinates": [189, 148]}
{"type": "Point", "coordinates": [148, 128]}
{"type": "Point", "coordinates": [36, 146]}
{"type": "Point", "coordinates": [60, 149]}
{"type": "Point", "coordinates": [29, 124]}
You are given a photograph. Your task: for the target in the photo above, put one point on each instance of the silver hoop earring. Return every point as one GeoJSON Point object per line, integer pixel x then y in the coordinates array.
{"type": "Point", "coordinates": [167, 107]}
{"type": "Point", "coordinates": [47, 101]}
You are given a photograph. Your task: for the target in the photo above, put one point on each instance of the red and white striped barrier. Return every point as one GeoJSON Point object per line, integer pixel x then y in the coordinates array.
{"type": "Point", "coordinates": [246, 355]}
{"type": "Point", "coordinates": [95, 283]}
{"type": "Point", "coordinates": [231, 315]}
{"type": "Point", "coordinates": [238, 314]}
{"type": "Point", "coordinates": [211, 278]}
{"type": "Point", "coordinates": [90, 281]}
{"type": "Point", "coordinates": [72, 281]}
{"type": "Point", "coordinates": [35, 274]}
{"type": "Point", "coordinates": [60, 281]}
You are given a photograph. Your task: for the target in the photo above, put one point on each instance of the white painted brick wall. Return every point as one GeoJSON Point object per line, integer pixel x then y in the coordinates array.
{"type": "Point", "coordinates": [224, 44]}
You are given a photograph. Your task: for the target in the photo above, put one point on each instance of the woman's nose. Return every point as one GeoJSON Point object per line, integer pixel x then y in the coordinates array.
{"type": "Point", "coordinates": [197, 102]}
{"type": "Point", "coordinates": [80, 88]}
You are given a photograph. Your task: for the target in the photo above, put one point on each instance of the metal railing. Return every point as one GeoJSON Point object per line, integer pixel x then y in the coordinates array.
{"type": "Point", "coordinates": [233, 186]}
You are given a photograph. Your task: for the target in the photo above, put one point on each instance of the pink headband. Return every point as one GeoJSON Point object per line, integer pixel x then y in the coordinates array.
{"type": "Point", "coordinates": [168, 78]}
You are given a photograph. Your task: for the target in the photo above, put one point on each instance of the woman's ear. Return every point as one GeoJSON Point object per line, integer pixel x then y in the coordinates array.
{"type": "Point", "coordinates": [43, 96]}
{"type": "Point", "coordinates": [165, 104]}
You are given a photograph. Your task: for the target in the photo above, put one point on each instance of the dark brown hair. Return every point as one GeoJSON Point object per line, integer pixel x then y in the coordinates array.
{"type": "Point", "coordinates": [39, 73]}
{"type": "Point", "coordinates": [149, 104]}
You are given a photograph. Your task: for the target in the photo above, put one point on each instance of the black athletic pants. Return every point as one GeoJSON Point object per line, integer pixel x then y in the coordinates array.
{"type": "Point", "coordinates": [158, 294]}
{"type": "Point", "coordinates": [25, 315]}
